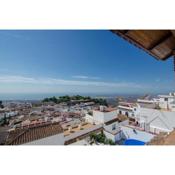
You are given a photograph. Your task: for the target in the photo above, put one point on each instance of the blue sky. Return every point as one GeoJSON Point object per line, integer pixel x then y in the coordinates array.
{"type": "Point", "coordinates": [78, 61]}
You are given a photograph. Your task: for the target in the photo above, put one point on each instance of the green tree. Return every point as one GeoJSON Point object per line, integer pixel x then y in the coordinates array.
{"type": "Point", "coordinates": [93, 136]}
{"type": "Point", "coordinates": [54, 99]}
{"type": "Point", "coordinates": [110, 142]}
{"type": "Point", "coordinates": [46, 100]}
{"type": "Point", "coordinates": [1, 105]}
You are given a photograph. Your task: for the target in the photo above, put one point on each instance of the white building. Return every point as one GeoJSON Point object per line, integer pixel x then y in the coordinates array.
{"type": "Point", "coordinates": [167, 101]}
{"type": "Point", "coordinates": [154, 103]}
{"type": "Point", "coordinates": [148, 117]}
{"type": "Point", "coordinates": [118, 132]}
{"type": "Point", "coordinates": [113, 130]}
{"type": "Point", "coordinates": [155, 121]}
{"type": "Point", "coordinates": [101, 116]}
{"type": "Point", "coordinates": [128, 109]}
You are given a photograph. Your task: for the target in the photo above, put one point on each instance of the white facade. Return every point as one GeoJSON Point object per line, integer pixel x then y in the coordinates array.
{"type": "Point", "coordinates": [113, 131]}
{"type": "Point", "coordinates": [89, 118]}
{"type": "Point", "coordinates": [151, 119]}
{"type": "Point", "coordinates": [167, 102]}
{"type": "Point", "coordinates": [128, 111]}
{"type": "Point", "coordinates": [156, 121]}
{"type": "Point", "coordinates": [148, 103]}
{"type": "Point", "coordinates": [100, 117]}
{"type": "Point", "coordinates": [103, 117]}
{"type": "Point", "coordinates": [163, 101]}
{"type": "Point", "coordinates": [124, 132]}
{"type": "Point", "coordinates": [114, 137]}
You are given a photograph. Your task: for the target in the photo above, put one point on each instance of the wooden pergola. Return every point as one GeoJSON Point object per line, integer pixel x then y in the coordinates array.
{"type": "Point", "coordinates": [158, 43]}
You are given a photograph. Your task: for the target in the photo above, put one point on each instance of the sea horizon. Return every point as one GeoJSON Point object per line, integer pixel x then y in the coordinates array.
{"type": "Point", "coordinates": [41, 96]}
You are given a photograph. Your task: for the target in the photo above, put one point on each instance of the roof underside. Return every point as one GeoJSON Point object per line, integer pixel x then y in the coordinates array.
{"type": "Point", "coordinates": [158, 43]}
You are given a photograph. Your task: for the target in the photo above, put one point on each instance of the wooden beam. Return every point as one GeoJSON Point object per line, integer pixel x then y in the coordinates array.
{"type": "Point", "coordinates": [160, 41]}
{"type": "Point", "coordinates": [173, 32]}
{"type": "Point", "coordinates": [130, 40]}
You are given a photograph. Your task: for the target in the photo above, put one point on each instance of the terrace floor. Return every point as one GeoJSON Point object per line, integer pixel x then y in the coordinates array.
{"type": "Point", "coordinates": [77, 128]}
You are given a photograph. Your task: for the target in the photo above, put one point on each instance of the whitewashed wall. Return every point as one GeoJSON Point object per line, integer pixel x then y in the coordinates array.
{"type": "Point", "coordinates": [109, 136]}
{"type": "Point", "coordinates": [123, 112]}
{"type": "Point", "coordinates": [103, 117]}
{"type": "Point", "coordinates": [89, 118]}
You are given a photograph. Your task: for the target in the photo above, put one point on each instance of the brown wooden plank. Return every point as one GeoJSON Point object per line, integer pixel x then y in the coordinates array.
{"type": "Point", "coordinates": [158, 43]}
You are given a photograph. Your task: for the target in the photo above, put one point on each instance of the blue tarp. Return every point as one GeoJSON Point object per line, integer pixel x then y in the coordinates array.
{"type": "Point", "coordinates": [133, 142]}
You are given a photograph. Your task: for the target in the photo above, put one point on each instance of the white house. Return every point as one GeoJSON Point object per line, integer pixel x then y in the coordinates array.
{"type": "Point", "coordinates": [167, 101]}
{"type": "Point", "coordinates": [155, 121]}
{"type": "Point", "coordinates": [101, 116]}
{"type": "Point", "coordinates": [118, 132]}
{"type": "Point", "coordinates": [147, 117]}
{"type": "Point", "coordinates": [113, 130]}
{"type": "Point", "coordinates": [128, 109]}
{"type": "Point", "coordinates": [148, 103]}
{"type": "Point", "coordinates": [163, 101]}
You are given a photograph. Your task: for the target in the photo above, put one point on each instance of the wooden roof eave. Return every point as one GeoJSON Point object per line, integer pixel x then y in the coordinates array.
{"type": "Point", "coordinates": [127, 38]}
{"type": "Point", "coordinates": [154, 47]}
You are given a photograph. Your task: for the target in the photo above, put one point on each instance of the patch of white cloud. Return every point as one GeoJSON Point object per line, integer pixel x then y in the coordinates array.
{"type": "Point", "coordinates": [85, 77]}
{"type": "Point", "coordinates": [57, 81]}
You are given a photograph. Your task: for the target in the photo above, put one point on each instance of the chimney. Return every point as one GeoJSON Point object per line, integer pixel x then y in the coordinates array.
{"type": "Point", "coordinates": [79, 126]}
{"type": "Point", "coordinates": [70, 129]}
{"type": "Point", "coordinates": [102, 108]}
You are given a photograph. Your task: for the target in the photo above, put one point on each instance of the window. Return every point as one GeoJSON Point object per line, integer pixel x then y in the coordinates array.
{"type": "Point", "coordinates": [113, 127]}
{"type": "Point", "coordinates": [165, 99]}
{"type": "Point", "coordinates": [126, 113]}
{"type": "Point", "coordinates": [120, 112]}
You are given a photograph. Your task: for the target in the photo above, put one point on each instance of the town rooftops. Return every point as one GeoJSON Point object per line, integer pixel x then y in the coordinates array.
{"type": "Point", "coordinates": [26, 135]}
{"type": "Point", "coordinates": [82, 134]}
{"type": "Point", "coordinates": [3, 134]}
{"type": "Point", "coordinates": [158, 43]}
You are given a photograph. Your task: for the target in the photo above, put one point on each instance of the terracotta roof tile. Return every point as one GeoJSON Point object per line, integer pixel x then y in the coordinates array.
{"type": "Point", "coordinates": [25, 135]}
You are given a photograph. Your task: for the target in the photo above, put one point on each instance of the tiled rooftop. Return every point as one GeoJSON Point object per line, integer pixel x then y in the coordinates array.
{"type": "Point", "coordinates": [25, 135]}
{"type": "Point", "coordinates": [164, 139]}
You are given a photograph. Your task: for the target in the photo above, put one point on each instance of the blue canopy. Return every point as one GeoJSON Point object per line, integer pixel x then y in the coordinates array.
{"type": "Point", "coordinates": [133, 142]}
